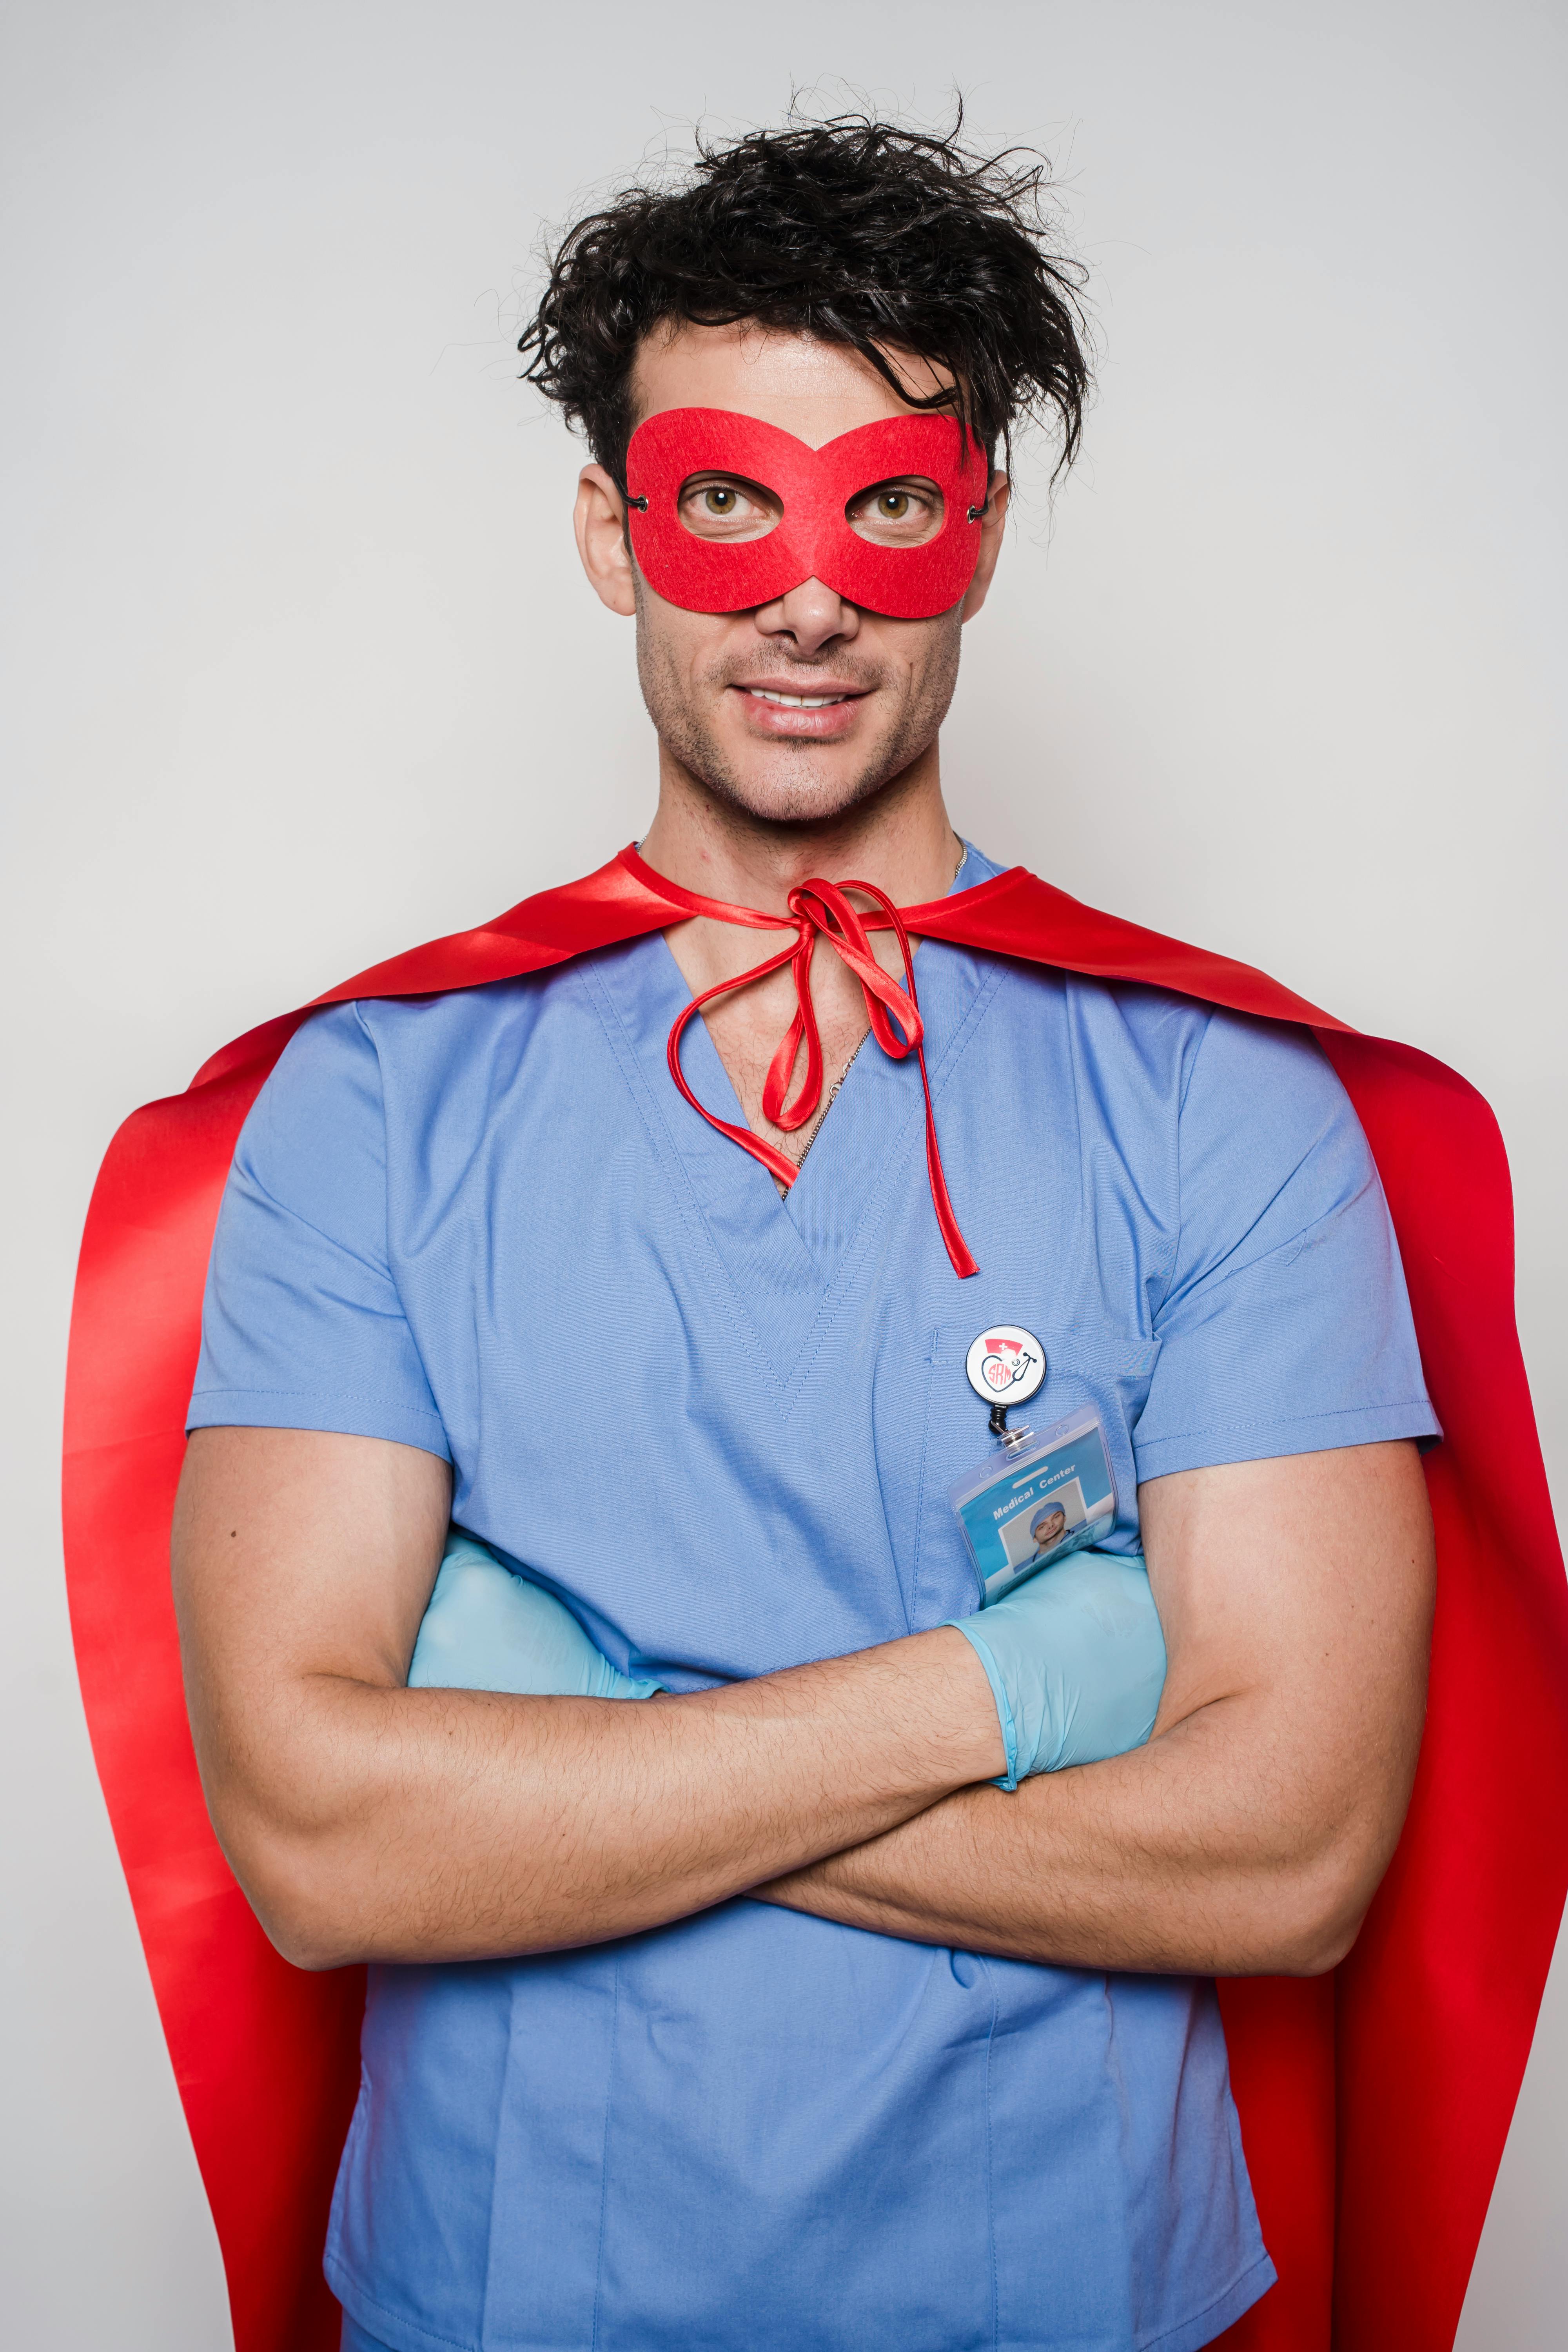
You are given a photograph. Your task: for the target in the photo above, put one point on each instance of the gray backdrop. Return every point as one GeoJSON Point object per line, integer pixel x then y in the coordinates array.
{"type": "Point", "coordinates": [300, 672]}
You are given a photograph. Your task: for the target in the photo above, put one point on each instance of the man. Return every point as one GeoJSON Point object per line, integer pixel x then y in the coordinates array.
{"type": "Point", "coordinates": [1047, 1527]}
{"type": "Point", "coordinates": [759, 2016]}
{"type": "Point", "coordinates": [429, 1206]}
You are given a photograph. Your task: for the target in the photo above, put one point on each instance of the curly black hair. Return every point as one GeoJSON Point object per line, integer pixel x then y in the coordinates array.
{"type": "Point", "coordinates": [860, 231]}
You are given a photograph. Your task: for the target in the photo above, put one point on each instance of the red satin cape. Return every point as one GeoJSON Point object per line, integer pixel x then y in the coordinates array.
{"type": "Point", "coordinates": [1373, 2102]}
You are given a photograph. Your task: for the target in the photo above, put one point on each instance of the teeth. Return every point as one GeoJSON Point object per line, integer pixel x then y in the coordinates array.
{"type": "Point", "coordinates": [797, 701]}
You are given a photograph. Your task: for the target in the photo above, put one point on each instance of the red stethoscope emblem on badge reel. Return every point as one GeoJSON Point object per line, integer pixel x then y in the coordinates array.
{"type": "Point", "coordinates": [1004, 1366]}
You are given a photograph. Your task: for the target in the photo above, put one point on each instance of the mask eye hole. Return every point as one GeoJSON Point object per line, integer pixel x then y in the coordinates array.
{"type": "Point", "coordinates": [902, 513]}
{"type": "Point", "coordinates": [726, 508]}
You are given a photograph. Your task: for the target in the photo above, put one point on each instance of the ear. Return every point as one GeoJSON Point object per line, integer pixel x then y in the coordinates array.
{"type": "Point", "coordinates": [599, 519]}
{"type": "Point", "coordinates": [998, 491]}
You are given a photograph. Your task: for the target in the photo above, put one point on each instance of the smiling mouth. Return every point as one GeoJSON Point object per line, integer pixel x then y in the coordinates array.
{"type": "Point", "coordinates": [797, 701]}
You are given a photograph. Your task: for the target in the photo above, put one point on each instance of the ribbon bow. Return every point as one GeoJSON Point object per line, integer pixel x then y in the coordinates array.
{"type": "Point", "coordinates": [819, 910]}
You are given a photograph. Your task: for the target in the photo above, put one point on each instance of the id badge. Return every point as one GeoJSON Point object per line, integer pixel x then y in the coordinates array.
{"type": "Point", "coordinates": [1043, 1493]}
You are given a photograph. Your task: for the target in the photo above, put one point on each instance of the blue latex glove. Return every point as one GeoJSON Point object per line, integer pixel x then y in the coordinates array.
{"type": "Point", "coordinates": [486, 1629]}
{"type": "Point", "coordinates": [1075, 1662]}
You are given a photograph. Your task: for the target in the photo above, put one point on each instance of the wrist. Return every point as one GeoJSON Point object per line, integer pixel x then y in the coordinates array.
{"type": "Point", "coordinates": [960, 1718]}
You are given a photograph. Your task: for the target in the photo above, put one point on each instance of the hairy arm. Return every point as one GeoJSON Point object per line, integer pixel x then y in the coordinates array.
{"type": "Point", "coordinates": [1249, 1835]}
{"type": "Point", "coordinates": [366, 1821]}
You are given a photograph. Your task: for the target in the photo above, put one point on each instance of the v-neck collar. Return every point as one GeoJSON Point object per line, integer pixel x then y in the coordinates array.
{"type": "Point", "coordinates": [785, 1260]}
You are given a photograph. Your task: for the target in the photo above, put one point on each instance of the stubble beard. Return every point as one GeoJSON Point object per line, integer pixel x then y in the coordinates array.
{"type": "Point", "coordinates": [790, 783]}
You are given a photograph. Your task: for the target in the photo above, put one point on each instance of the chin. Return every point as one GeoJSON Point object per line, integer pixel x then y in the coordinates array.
{"type": "Point", "coordinates": [806, 797]}
{"type": "Point", "coordinates": [804, 785]}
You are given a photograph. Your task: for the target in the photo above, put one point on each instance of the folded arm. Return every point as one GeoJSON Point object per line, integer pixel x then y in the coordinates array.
{"type": "Point", "coordinates": [366, 1820]}
{"type": "Point", "coordinates": [1249, 1835]}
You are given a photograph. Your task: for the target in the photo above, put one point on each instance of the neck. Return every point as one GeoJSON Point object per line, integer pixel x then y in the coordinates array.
{"type": "Point", "coordinates": [900, 839]}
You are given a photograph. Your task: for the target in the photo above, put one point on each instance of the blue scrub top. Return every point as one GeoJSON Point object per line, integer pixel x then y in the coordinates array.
{"type": "Point", "coordinates": [721, 1426]}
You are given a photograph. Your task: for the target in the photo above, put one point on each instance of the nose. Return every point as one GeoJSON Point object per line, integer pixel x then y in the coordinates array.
{"type": "Point", "coordinates": [814, 616]}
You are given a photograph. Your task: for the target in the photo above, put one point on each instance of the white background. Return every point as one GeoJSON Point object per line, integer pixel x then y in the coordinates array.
{"type": "Point", "coordinates": [300, 672]}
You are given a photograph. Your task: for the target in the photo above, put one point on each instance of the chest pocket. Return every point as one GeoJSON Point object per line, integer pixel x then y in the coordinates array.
{"type": "Point", "coordinates": [1101, 1369]}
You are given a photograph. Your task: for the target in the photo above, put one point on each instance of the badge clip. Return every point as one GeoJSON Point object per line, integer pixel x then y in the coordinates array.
{"type": "Point", "coordinates": [1004, 1366]}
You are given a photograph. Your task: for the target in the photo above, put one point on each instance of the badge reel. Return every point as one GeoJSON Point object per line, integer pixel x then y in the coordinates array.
{"type": "Point", "coordinates": [1045, 1493]}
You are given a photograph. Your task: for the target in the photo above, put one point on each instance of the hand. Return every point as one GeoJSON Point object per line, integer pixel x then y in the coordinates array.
{"type": "Point", "coordinates": [486, 1629]}
{"type": "Point", "coordinates": [1076, 1661]}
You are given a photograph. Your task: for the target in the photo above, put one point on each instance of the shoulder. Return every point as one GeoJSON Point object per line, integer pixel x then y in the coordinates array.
{"type": "Point", "coordinates": [1267, 1089]}
{"type": "Point", "coordinates": [344, 1047]}
{"type": "Point", "coordinates": [1167, 1037]}
{"type": "Point", "coordinates": [326, 1070]}
{"type": "Point", "coordinates": [1215, 1064]}
{"type": "Point", "coordinates": [398, 1062]}
{"type": "Point", "coordinates": [1218, 1099]}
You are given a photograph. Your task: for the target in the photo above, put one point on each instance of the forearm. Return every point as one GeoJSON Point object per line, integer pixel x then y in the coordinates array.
{"type": "Point", "coordinates": [1250, 1833]}
{"type": "Point", "coordinates": [375, 1822]}
{"type": "Point", "coordinates": [1190, 1855]}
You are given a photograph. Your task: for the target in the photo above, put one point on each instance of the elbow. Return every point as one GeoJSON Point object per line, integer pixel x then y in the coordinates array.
{"type": "Point", "coordinates": [303, 1898]}
{"type": "Point", "coordinates": [292, 1825]}
{"type": "Point", "coordinates": [1311, 1894]}
{"type": "Point", "coordinates": [306, 1939]}
{"type": "Point", "coordinates": [1317, 1946]}
{"type": "Point", "coordinates": [307, 1922]}
{"type": "Point", "coordinates": [1308, 1921]}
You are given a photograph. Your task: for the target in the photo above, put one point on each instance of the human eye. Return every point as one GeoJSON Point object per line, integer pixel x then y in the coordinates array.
{"type": "Point", "coordinates": [721, 505]}
{"type": "Point", "coordinates": [897, 514]}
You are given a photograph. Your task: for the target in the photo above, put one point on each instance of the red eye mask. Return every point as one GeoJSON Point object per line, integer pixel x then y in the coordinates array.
{"type": "Point", "coordinates": [813, 540]}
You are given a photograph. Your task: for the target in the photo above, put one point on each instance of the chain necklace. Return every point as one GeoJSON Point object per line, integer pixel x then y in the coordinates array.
{"type": "Point", "coordinates": [827, 1105]}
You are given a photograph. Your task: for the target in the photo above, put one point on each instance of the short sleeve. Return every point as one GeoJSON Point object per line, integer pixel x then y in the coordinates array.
{"type": "Point", "coordinates": [1285, 1326]}
{"type": "Point", "coordinates": [302, 1326]}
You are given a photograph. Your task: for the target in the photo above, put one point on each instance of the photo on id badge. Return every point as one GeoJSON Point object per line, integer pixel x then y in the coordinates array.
{"type": "Point", "coordinates": [1041, 1494]}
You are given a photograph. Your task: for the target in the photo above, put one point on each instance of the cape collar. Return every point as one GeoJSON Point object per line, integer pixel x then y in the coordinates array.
{"type": "Point", "coordinates": [817, 909]}
{"type": "Point", "coordinates": [1012, 914]}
